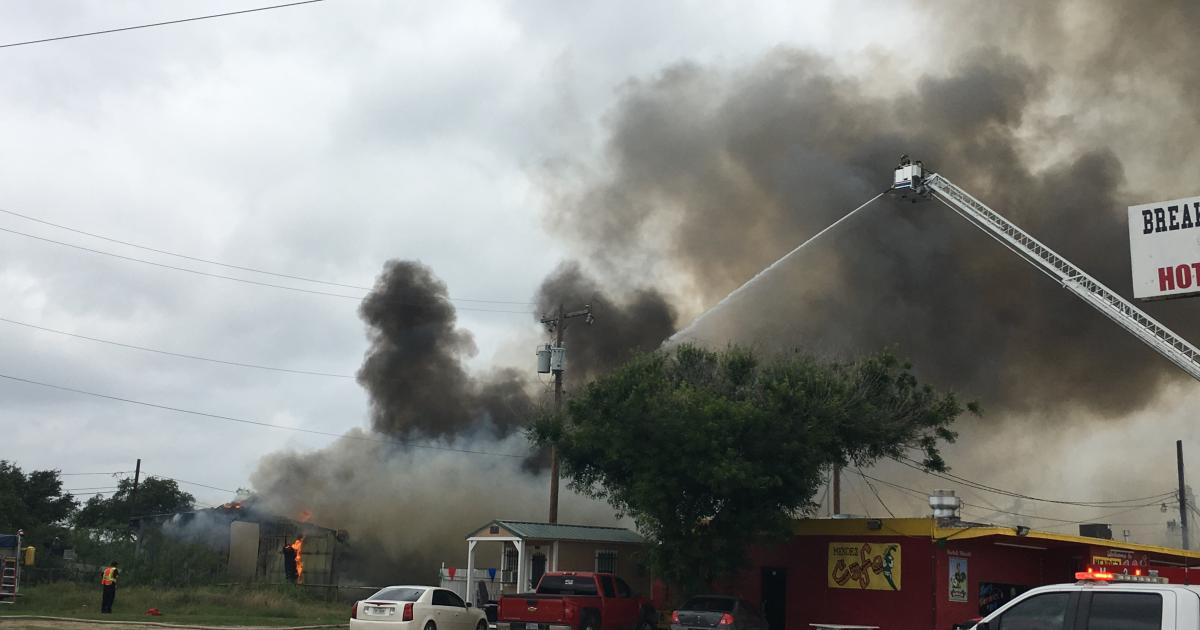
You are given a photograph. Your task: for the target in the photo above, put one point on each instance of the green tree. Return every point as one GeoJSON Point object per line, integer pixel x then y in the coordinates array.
{"type": "Point", "coordinates": [113, 514]}
{"type": "Point", "coordinates": [711, 452]}
{"type": "Point", "coordinates": [35, 503]}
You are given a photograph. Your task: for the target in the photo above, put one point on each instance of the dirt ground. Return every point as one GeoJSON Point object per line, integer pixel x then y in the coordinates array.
{"type": "Point", "coordinates": [10, 623]}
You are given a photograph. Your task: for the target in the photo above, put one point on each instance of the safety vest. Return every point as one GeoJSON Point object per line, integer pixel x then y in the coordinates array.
{"type": "Point", "coordinates": [109, 576]}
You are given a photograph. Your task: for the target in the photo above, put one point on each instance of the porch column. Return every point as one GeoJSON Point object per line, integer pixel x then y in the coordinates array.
{"type": "Point", "coordinates": [554, 556]}
{"type": "Point", "coordinates": [471, 571]}
{"type": "Point", "coordinates": [520, 545]}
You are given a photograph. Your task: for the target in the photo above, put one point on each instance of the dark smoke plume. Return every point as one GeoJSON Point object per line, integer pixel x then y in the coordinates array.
{"type": "Point", "coordinates": [421, 393]}
{"type": "Point", "coordinates": [414, 370]}
{"type": "Point", "coordinates": [724, 172]}
{"type": "Point", "coordinates": [639, 323]}
{"type": "Point", "coordinates": [1058, 114]}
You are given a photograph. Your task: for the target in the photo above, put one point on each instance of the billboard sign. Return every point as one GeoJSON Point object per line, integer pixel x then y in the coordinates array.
{"type": "Point", "coordinates": [1164, 248]}
{"type": "Point", "coordinates": [864, 566]}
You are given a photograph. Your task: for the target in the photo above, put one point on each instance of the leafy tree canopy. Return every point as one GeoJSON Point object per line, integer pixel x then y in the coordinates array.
{"type": "Point", "coordinates": [34, 502]}
{"type": "Point", "coordinates": [710, 452]}
{"type": "Point", "coordinates": [154, 496]}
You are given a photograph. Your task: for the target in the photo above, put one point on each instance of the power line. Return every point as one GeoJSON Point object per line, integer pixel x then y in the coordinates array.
{"type": "Point", "coordinates": [212, 360]}
{"type": "Point", "coordinates": [980, 486]}
{"type": "Point", "coordinates": [115, 472]}
{"type": "Point", "coordinates": [173, 354]}
{"type": "Point", "coordinates": [861, 499]}
{"type": "Point", "coordinates": [1028, 516]}
{"type": "Point", "coordinates": [874, 492]}
{"type": "Point", "coordinates": [178, 255]}
{"type": "Point", "coordinates": [214, 416]}
{"type": "Point", "coordinates": [140, 26]}
{"type": "Point", "coordinates": [285, 287]}
{"type": "Point", "coordinates": [194, 483]}
{"type": "Point", "coordinates": [228, 265]}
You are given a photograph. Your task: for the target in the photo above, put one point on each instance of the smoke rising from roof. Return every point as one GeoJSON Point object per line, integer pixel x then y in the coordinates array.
{"type": "Point", "coordinates": [421, 390]}
{"type": "Point", "coordinates": [409, 510]}
{"type": "Point", "coordinates": [733, 168]}
{"type": "Point", "coordinates": [638, 323]}
{"type": "Point", "coordinates": [712, 173]}
{"type": "Point", "coordinates": [414, 368]}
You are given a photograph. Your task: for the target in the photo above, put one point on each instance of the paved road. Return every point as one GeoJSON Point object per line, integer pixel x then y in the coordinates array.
{"type": "Point", "coordinates": [10, 623]}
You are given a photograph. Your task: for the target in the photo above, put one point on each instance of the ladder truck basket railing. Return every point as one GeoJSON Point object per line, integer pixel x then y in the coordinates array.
{"type": "Point", "coordinates": [912, 182]}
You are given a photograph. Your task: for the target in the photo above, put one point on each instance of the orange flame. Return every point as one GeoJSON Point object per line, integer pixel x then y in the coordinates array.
{"type": "Point", "coordinates": [297, 546]}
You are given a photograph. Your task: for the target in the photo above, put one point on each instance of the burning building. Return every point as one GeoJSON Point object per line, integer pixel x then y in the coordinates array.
{"type": "Point", "coordinates": [257, 545]}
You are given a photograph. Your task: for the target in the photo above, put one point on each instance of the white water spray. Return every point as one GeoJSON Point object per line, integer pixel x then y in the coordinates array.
{"type": "Point", "coordinates": [764, 272]}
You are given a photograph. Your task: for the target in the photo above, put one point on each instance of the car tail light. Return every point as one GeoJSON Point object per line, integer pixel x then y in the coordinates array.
{"type": "Point", "coordinates": [726, 619]}
{"type": "Point", "coordinates": [408, 613]}
{"type": "Point", "coordinates": [675, 616]}
{"type": "Point", "coordinates": [354, 611]}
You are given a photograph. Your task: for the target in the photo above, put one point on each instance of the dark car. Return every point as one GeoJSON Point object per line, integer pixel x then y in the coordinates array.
{"type": "Point", "coordinates": [723, 612]}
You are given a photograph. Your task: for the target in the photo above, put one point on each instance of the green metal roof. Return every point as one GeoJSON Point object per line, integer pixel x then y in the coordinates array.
{"type": "Point", "coordinates": [580, 533]}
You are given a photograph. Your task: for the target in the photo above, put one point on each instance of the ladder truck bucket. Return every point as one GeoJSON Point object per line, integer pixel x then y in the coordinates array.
{"type": "Point", "coordinates": [909, 181]}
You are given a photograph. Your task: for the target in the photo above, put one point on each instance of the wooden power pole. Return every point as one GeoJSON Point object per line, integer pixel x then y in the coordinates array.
{"type": "Point", "coordinates": [557, 324]}
{"type": "Point", "coordinates": [837, 489]}
{"type": "Point", "coordinates": [1183, 506]}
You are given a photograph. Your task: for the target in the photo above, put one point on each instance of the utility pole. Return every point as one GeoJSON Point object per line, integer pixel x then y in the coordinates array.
{"type": "Point", "coordinates": [137, 478]}
{"type": "Point", "coordinates": [837, 489]}
{"type": "Point", "coordinates": [557, 324]}
{"type": "Point", "coordinates": [1183, 506]}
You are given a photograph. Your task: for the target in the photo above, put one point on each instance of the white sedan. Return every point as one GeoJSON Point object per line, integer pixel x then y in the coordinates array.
{"type": "Point", "coordinates": [416, 608]}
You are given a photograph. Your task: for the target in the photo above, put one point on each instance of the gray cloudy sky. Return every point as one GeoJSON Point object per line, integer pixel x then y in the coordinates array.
{"type": "Point", "coordinates": [325, 139]}
{"type": "Point", "coordinates": [319, 140]}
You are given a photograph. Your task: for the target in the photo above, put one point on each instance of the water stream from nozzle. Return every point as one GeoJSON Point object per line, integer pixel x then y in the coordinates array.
{"type": "Point", "coordinates": [764, 272]}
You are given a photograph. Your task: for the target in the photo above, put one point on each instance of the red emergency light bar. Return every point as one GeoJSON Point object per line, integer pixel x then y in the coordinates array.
{"type": "Point", "coordinates": [1095, 577]}
{"type": "Point", "coordinates": [1104, 576]}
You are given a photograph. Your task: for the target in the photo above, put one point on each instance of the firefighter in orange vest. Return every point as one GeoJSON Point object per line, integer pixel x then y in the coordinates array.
{"type": "Point", "coordinates": [108, 579]}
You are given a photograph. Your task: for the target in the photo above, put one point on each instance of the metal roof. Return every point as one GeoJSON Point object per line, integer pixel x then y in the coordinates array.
{"type": "Point", "coordinates": [578, 533]}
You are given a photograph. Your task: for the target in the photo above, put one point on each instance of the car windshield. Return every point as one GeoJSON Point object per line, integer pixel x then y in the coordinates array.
{"type": "Point", "coordinates": [399, 594]}
{"type": "Point", "coordinates": [709, 604]}
{"type": "Point", "coordinates": [567, 585]}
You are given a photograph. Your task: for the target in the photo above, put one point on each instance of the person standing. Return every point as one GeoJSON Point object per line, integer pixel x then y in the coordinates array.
{"type": "Point", "coordinates": [289, 563]}
{"type": "Point", "coordinates": [108, 579]}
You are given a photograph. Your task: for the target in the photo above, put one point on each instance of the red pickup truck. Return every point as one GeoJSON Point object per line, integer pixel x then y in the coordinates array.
{"type": "Point", "coordinates": [566, 600]}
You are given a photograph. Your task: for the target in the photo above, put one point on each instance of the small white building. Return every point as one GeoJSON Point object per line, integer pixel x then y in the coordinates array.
{"type": "Point", "coordinates": [524, 551]}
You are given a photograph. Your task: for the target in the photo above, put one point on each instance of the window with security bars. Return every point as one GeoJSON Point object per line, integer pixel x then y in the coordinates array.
{"type": "Point", "coordinates": [606, 561]}
{"type": "Point", "coordinates": [508, 564]}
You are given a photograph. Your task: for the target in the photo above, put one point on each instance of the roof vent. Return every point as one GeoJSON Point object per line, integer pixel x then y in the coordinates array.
{"type": "Point", "coordinates": [944, 503]}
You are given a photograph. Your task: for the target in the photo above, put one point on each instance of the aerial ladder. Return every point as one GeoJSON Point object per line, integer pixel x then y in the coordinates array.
{"type": "Point", "coordinates": [913, 182]}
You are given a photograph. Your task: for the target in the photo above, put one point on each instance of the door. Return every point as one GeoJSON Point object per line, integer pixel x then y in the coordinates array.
{"type": "Point", "coordinates": [450, 611]}
{"type": "Point", "coordinates": [620, 609]}
{"type": "Point", "coordinates": [774, 597]}
{"type": "Point", "coordinates": [538, 569]}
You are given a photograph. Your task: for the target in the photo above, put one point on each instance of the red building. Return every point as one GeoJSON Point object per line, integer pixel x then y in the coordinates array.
{"type": "Point", "coordinates": [927, 573]}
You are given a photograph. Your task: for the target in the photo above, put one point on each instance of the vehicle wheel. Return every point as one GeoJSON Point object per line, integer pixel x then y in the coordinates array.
{"type": "Point", "coordinates": [429, 625]}
{"type": "Point", "coordinates": [645, 625]}
{"type": "Point", "coordinates": [589, 624]}
{"type": "Point", "coordinates": [482, 625]}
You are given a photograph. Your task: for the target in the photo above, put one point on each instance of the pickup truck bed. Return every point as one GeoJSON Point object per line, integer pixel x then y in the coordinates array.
{"type": "Point", "coordinates": [576, 601]}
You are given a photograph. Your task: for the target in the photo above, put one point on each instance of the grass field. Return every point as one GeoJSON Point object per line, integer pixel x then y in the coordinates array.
{"type": "Point", "coordinates": [202, 605]}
